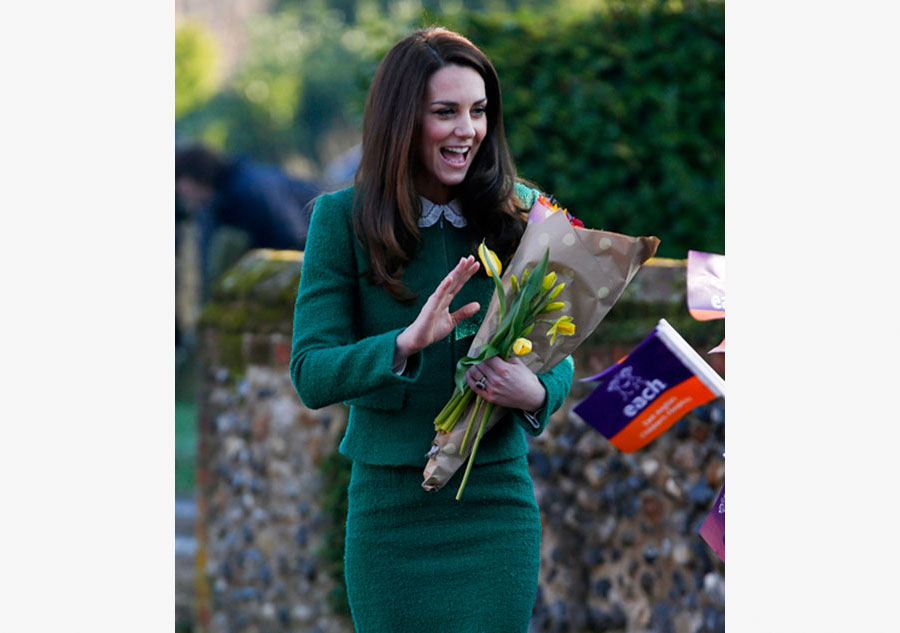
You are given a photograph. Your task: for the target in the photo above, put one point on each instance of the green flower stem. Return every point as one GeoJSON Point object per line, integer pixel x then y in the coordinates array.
{"type": "Point", "coordinates": [451, 403]}
{"type": "Point", "coordinates": [501, 296]}
{"type": "Point", "coordinates": [457, 394]}
{"type": "Point", "coordinates": [540, 301]}
{"type": "Point", "coordinates": [488, 409]}
{"type": "Point", "coordinates": [460, 407]}
{"type": "Point", "coordinates": [462, 445]}
{"type": "Point", "coordinates": [495, 275]}
{"type": "Point", "coordinates": [454, 414]}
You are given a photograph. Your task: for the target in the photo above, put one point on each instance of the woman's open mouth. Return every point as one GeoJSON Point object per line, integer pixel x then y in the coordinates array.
{"type": "Point", "coordinates": [455, 156]}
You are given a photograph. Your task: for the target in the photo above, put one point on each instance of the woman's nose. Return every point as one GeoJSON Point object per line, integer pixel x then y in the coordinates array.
{"type": "Point", "coordinates": [465, 128]}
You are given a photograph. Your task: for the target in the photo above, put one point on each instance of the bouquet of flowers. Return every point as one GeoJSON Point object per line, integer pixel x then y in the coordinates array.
{"type": "Point", "coordinates": [560, 268]}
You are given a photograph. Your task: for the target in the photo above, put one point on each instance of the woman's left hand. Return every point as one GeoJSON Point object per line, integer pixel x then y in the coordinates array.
{"type": "Point", "coordinates": [507, 384]}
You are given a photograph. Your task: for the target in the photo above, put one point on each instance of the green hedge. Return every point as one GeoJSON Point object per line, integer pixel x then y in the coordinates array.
{"type": "Point", "coordinates": [618, 111]}
{"type": "Point", "coordinates": [621, 115]}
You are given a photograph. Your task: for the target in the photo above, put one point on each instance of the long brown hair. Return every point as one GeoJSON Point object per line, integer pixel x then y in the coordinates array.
{"type": "Point", "coordinates": [388, 204]}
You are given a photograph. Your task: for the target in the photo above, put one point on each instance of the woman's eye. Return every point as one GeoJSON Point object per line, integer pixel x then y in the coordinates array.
{"type": "Point", "coordinates": [479, 111]}
{"type": "Point", "coordinates": [444, 112]}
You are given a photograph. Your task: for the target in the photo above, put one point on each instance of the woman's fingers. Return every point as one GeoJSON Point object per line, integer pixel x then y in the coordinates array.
{"type": "Point", "coordinates": [472, 376]}
{"type": "Point", "coordinates": [454, 281]}
{"type": "Point", "coordinates": [465, 312]}
{"type": "Point", "coordinates": [463, 271]}
{"type": "Point", "coordinates": [508, 384]}
{"type": "Point", "coordinates": [435, 320]}
{"type": "Point", "coordinates": [495, 367]}
{"type": "Point", "coordinates": [481, 373]}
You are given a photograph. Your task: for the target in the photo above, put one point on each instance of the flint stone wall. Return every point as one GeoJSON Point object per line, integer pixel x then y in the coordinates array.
{"type": "Point", "coordinates": [620, 549]}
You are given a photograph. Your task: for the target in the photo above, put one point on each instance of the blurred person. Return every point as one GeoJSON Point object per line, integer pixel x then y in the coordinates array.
{"type": "Point", "coordinates": [239, 204]}
{"type": "Point", "coordinates": [387, 303]}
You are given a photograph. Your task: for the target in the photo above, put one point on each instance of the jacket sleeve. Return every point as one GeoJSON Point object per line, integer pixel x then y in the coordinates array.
{"type": "Point", "coordinates": [557, 382]}
{"type": "Point", "coordinates": [328, 365]}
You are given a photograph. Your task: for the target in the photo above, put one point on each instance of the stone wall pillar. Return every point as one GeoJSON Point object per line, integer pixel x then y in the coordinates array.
{"type": "Point", "coordinates": [261, 523]}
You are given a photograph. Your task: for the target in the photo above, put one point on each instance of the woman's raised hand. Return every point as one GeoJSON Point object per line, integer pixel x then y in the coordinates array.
{"type": "Point", "coordinates": [435, 320]}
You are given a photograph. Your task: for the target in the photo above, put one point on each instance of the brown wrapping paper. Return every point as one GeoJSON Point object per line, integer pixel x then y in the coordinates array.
{"type": "Point", "coordinates": [596, 267]}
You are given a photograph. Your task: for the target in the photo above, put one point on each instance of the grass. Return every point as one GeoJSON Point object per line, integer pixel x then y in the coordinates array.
{"type": "Point", "coordinates": [185, 422]}
{"type": "Point", "coordinates": [185, 446]}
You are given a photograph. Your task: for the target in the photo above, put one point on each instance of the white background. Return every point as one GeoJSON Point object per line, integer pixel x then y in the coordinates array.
{"type": "Point", "coordinates": [87, 248]}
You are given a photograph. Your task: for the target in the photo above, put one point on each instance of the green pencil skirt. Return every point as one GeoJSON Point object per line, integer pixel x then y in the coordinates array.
{"type": "Point", "coordinates": [419, 561]}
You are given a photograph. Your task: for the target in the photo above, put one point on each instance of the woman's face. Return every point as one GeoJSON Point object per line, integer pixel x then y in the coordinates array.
{"type": "Point", "coordinates": [453, 125]}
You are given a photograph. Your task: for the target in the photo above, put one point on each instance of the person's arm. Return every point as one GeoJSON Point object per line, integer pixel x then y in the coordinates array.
{"type": "Point", "coordinates": [327, 364]}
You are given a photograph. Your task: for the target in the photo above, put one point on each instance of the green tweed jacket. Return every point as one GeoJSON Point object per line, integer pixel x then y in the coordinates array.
{"type": "Point", "coordinates": [344, 334]}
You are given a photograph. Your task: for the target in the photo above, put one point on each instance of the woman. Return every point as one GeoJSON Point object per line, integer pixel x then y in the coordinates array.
{"type": "Point", "coordinates": [388, 302]}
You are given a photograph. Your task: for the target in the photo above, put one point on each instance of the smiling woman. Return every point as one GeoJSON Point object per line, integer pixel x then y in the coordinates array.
{"type": "Point", "coordinates": [453, 127]}
{"type": "Point", "coordinates": [392, 263]}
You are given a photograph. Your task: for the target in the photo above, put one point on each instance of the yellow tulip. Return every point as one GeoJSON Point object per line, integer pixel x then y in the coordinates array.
{"type": "Point", "coordinates": [563, 326]}
{"type": "Point", "coordinates": [553, 306]}
{"type": "Point", "coordinates": [483, 254]}
{"type": "Point", "coordinates": [521, 346]}
{"type": "Point", "coordinates": [566, 329]}
{"type": "Point", "coordinates": [556, 291]}
{"type": "Point", "coordinates": [549, 280]}
{"type": "Point", "coordinates": [514, 283]}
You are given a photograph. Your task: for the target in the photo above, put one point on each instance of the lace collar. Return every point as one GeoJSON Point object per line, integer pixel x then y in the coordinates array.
{"type": "Point", "coordinates": [432, 212]}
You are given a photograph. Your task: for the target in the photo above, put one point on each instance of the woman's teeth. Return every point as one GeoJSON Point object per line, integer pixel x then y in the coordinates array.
{"type": "Point", "coordinates": [455, 155]}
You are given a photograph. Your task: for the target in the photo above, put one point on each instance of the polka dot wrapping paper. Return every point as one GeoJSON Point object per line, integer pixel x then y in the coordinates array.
{"type": "Point", "coordinates": [596, 267]}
